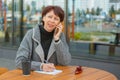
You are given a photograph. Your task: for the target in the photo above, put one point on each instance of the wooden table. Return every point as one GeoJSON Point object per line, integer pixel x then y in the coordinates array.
{"type": "Point", "coordinates": [67, 74]}
{"type": "Point", "coordinates": [3, 70]}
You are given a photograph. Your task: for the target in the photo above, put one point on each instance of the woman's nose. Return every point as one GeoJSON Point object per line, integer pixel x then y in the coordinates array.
{"type": "Point", "coordinates": [52, 20]}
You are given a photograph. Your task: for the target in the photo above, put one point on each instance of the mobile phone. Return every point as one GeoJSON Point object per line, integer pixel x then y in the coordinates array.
{"type": "Point", "coordinates": [56, 29]}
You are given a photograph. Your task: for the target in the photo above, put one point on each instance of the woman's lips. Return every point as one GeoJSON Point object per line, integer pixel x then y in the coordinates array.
{"type": "Point", "coordinates": [50, 25]}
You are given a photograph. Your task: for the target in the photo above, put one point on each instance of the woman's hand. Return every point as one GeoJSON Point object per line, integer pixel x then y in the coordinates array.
{"type": "Point", "coordinates": [48, 67]}
{"type": "Point", "coordinates": [58, 31]}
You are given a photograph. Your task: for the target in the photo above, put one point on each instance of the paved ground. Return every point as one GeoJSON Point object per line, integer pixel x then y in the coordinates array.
{"type": "Point", "coordinates": [8, 63]}
{"type": "Point", "coordinates": [7, 57]}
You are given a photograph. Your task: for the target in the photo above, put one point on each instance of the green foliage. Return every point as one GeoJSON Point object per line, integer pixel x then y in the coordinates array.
{"type": "Point", "coordinates": [28, 8]}
{"type": "Point", "coordinates": [87, 11]}
{"type": "Point", "coordinates": [77, 36]}
{"type": "Point", "coordinates": [93, 11]}
{"type": "Point", "coordinates": [118, 11]}
{"type": "Point", "coordinates": [10, 6]}
{"type": "Point", "coordinates": [103, 39]}
{"type": "Point", "coordinates": [85, 37]}
{"type": "Point", "coordinates": [78, 13]}
{"type": "Point", "coordinates": [98, 10]}
{"type": "Point", "coordinates": [111, 10]}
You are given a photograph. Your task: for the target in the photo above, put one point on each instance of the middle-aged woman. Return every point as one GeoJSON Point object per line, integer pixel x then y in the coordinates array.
{"type": "Point", "coordinates": [45, 42]}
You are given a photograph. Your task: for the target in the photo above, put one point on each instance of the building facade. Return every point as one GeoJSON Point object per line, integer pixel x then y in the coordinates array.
{"type": "Point", "coordinates": [82, 28]}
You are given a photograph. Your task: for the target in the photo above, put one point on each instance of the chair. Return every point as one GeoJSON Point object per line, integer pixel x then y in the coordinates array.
{"type": "Point", "coordinates": [3, 70]}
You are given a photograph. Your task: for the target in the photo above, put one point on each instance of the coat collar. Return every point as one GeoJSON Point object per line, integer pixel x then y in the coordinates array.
{"type": "Point", "coordinates": [36, 34]}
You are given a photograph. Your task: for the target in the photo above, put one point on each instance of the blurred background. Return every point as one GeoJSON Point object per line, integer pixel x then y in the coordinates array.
{"type": "Point", "coordinates": [92, 27]}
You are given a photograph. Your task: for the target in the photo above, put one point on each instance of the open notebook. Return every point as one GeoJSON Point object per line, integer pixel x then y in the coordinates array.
{"type": "Point", "coordinates": [52, 73]}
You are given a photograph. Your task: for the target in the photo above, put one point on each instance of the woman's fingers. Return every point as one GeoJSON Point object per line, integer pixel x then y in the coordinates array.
{"type": "Point", "coordinates": [48, 67]}
{"type": "Point", "coordinates": [52, 65]}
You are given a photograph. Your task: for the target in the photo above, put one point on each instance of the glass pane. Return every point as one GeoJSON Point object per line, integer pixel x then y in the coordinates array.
{"type": "Point", "coordinates": [91, 22]}
{"type": "Point", "coordinates": [5, 22]}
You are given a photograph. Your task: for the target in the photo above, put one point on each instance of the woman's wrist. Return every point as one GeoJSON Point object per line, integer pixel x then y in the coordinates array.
{"type": "Point", "coordinates": [56, 40]}
{"type": "Point", "coordinates": [41, 66]}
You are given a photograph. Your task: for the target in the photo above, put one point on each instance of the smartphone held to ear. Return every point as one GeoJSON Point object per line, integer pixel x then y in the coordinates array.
{"type": "Point", "coordinates": [56, 30]}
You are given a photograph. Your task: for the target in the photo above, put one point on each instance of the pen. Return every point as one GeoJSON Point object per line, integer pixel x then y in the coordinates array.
{"type": "Point", "coordinates": [45, 61]}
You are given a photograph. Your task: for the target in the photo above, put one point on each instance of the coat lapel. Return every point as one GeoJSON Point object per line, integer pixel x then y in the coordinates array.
{"type": "Point", "coordinates": [51, 50]}
{"type": "Point", "coordinates": [40, 52]}
{"type": "Point", "coordinates": [36, 38]}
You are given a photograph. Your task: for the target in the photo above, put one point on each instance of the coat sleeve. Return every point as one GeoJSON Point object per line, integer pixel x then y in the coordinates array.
{"type": "Point", "coordinates": [62, 50]}
{"type": "Point", "coordinates": [24, 52]}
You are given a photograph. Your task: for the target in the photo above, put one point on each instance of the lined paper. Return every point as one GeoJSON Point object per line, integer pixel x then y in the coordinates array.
{"type": "Point", "coordinates": [54, 72]}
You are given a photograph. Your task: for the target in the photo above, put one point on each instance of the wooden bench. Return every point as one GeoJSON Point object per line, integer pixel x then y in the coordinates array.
{"type": "Point", "coordinates": [106, 46]}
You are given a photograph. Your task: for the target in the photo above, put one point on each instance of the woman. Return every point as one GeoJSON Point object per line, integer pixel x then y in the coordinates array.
{"type": "Point", "coordinates": [45, 43]}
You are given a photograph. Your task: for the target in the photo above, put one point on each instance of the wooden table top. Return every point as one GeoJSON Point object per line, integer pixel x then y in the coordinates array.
{"type": "Point", "coordinates": [3, 70]}
{"type": "Point", "coordinates": [67, 74]}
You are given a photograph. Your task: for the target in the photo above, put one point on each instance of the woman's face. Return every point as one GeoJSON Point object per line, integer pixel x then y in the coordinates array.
{"type": "Point", "coordinates": [50, 21]}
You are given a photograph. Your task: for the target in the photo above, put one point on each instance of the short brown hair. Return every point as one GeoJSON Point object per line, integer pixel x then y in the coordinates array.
{"type": "Point", "coordinates": [57, 10]}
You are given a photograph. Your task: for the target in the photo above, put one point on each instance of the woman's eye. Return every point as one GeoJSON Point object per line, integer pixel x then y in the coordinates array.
{"type": "Point", "coordinates": [49, 16]}
{"type": "Point", "coordinates": [56, 19]}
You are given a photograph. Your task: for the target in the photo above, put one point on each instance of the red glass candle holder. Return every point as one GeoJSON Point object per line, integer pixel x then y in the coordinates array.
{"type": "Point", "coordinates": [78, 70]}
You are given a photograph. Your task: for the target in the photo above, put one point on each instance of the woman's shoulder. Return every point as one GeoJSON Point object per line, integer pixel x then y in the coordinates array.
{"type": "Point", "coordinates": [29, 32]}
{"type": "Point", "coordinates": [34, 29]}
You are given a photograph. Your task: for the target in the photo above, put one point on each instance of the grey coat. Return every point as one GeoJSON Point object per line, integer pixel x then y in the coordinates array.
{"type": "Point", "coordinates": [58, 52]}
